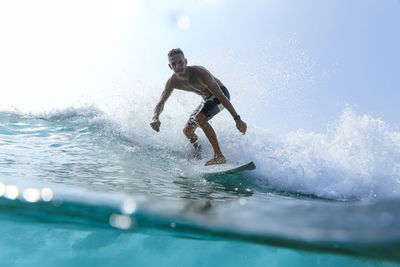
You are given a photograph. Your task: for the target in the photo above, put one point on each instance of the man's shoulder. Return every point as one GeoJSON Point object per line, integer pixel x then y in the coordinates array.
{"type": "Point", "coordinates": [199, 72]}
{"type": "Point", "coordinates": [197, 68]}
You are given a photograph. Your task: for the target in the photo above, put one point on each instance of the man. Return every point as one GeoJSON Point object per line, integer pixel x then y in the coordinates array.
{"type": "Point", "coordinates": [198, 80]}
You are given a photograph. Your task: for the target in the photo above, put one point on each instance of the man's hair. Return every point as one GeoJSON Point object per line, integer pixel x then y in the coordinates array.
{"type": "Point", "coordinates": [175, 51]}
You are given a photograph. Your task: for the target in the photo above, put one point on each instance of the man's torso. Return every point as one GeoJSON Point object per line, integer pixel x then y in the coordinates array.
{"type": "Point", "coordinates": [194, 84]}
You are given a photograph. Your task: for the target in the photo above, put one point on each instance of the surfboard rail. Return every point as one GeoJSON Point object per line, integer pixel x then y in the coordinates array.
{"type": "Point", "coordinates": [221, 169]}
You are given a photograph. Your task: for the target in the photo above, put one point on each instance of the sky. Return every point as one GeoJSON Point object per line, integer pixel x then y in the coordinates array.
{"type": "Point", "coordinates": [297, 64]}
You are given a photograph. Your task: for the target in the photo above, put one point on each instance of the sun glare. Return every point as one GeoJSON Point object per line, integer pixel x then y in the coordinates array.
{"type": "Point", "coordinates": [183, 22]}
{"type": "Point", "coordinates": [48, 46]}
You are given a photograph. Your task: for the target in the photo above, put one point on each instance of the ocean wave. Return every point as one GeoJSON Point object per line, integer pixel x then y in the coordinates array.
{"type": "Point", "coordinates": [57, 114]}
{"type": "Point", "coordinates": [357, 157]}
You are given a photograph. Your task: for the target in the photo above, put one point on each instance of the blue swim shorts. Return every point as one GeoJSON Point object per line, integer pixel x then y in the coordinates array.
{"type": "Point", "coordinates": [210, 107]}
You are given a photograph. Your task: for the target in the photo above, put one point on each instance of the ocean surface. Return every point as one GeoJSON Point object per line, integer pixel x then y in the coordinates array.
{"type": "Point", "coordinates": [82, 187]}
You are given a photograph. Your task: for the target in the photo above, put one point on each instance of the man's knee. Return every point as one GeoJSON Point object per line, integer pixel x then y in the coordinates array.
{"type": "Point", "coordinates": [188, 131]}
{"type": "Point", "coordinates": [201, 119]}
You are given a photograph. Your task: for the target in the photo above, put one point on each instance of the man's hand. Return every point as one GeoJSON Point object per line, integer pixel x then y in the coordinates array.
{"type": "Point", "coordinates": [155, 124]}
{"type": "Point", "coordinates": [241, 125]}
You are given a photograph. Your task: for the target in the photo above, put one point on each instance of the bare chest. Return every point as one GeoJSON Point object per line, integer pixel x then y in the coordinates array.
{"type": "Point", "coordinates": [195, 88]}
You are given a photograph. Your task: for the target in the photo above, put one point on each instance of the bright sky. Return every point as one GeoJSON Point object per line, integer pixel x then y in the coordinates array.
{"type": "Point", "coordinates": [335, 52]}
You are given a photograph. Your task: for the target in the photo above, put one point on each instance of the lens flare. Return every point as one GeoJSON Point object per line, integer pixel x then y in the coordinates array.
{"type": "Point", "coordinates": [243, 201]}
{"type": "Point", "coordinates": [47, 194]}
{"type": "Point", "coordinates": [129, 206]}
{"type": "Point", "coordinates": [12, 192]}
{"type": "Point", "coordinates": [31, 195]}
{"type": "Point", "coordinates": [2, 189]}
{"type": "Point", "coordinates": [183, 22]}
{"type": "Point", "coordinates": [119, 221]}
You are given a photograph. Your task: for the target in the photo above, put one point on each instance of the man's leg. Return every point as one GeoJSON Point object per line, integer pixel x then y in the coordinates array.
{"type": "Point", "coordinates": [212, 138]}
{"type": "Point", "coordinates": [188, 131]}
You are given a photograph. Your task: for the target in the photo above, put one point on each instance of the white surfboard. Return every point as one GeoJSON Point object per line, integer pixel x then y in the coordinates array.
{"type": "Point", "coordinates": [227, 168]}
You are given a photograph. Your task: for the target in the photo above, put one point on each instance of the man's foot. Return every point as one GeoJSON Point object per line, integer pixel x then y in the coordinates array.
{"type": "Point", "coordinates": [216, 160]}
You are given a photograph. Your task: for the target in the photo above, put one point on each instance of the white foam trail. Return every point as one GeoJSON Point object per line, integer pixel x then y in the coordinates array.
{"type": "Point", "coordinates": [359, 157]}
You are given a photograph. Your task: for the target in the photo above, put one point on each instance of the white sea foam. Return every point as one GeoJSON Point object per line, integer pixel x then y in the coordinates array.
{"type": "Point", "coordinates": [357, 157]}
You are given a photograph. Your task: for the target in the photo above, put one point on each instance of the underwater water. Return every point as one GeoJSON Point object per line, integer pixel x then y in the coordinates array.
{"type": "Point", "coordinates": [80, 187]}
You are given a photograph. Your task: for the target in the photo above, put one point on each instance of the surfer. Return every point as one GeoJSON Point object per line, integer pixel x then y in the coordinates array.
{"type": "Point", "coordinates": [198, 80]}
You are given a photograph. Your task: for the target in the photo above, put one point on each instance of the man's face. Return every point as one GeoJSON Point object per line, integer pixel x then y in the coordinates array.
{"type": "Point", "coordinates": [177, 63]}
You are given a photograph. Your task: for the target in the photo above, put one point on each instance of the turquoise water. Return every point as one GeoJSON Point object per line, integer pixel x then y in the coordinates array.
{"type": "Point", "coordinates": [78, 188]}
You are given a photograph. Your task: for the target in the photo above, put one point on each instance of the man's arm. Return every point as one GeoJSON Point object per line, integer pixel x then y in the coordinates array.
{"type": "Point", "coordinates": [213, 86]}
{"type": "Point", "coordinates": [155, 124]}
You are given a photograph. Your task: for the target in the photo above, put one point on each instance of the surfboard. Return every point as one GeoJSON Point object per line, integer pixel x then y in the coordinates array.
{"type": "Point", "coordinates": [227, 168]}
